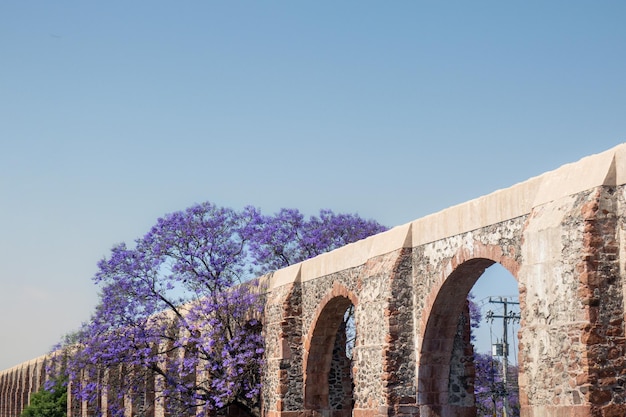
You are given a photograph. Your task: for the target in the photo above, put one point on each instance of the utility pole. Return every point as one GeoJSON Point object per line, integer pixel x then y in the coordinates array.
{"type": "Point", "coordinates": [506, 317]}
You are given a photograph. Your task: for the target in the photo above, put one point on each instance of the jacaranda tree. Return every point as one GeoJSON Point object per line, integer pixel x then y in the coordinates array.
{"type": "Point", "coordinates": [179, 318]}
{"type": "Point", "coordinates": [490, 389]}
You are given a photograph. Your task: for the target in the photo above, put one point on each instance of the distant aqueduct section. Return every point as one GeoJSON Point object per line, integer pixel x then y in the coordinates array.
{"type": "Point", "coordinates": [562, 235]}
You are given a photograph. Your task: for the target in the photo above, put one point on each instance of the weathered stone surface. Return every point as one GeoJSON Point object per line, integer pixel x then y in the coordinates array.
{"type": "Point", "coordinates": [561, 235]}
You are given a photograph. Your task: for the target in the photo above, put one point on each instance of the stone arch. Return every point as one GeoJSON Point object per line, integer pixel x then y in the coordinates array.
{"type": "Point", "coordinates": [319, 345]}
{"type": "Point", "coordinates": [440, 325]}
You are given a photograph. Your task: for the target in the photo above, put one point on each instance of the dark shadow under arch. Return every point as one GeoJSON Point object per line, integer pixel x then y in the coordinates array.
{"type": "Point", "coordinates": [327, 363]}
{"type": "Point", "coordinates": [436, 349]}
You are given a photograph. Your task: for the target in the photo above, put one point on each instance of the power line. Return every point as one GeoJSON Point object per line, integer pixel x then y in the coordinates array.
{"type": "Point", "coordinates": [507, 316]}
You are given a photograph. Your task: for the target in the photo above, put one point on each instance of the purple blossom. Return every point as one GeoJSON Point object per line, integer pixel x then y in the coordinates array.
{"type": "Point", "coordinates": [172, 321]}
{"type": "Point", "coordinates": [489, 387]}
{"type": "Point", "coordinates": [490, 390]}
{"type": "Point", "coordinates": [287, 237]}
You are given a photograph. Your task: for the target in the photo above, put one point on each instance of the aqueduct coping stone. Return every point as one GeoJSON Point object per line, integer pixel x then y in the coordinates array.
{"type": "Point", "coordinates": [607, 168]}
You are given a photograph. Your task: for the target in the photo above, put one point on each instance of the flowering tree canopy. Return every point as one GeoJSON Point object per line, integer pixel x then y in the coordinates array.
{"type": "Point", "coordinates": [288, 238]}
{"type": "Point", "coordinates": [172, 323]}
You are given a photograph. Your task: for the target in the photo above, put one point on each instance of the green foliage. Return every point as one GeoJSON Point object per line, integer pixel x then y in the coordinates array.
{"type": "Point", "coordinates": [48, 402]}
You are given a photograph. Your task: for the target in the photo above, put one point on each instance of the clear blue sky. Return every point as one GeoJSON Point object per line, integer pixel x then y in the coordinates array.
{"type": "Point", "coordinates": [114, 113]}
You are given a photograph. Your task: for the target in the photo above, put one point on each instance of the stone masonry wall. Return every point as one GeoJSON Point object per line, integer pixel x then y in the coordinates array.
{"type": "Point", "coordinates": [399, 351]}
{"type": "Point", "coordinates": [444, 272]}
{"type": "Point", "coordinates": [572, 311]}
{"type": "Point", "coordinates": [383, 329]}
{"type": "Point", "coordinates": [600, 291]}
{"type": "Point", "coordinates": [462, 370]}
{"type": "Point", "coordinates": [316, 294]}
{"type": "Point", "coordinates": [340, 383]}
{"type": "Point", "coordinates": [283, 379]}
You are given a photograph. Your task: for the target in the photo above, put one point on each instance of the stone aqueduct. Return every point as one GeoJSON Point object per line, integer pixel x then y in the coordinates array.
{"type": "Point", "coordinates": [561, 235]}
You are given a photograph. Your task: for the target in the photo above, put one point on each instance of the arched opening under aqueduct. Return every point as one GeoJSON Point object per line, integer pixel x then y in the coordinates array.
{"type": "Point", "coordinates": [328, 380]}
{"type": "Point", "coordinates": [446, 369]}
